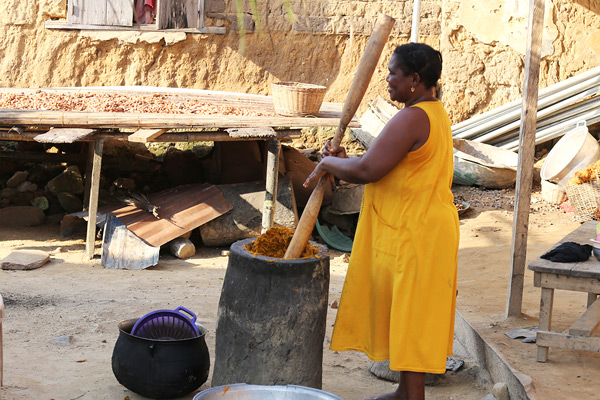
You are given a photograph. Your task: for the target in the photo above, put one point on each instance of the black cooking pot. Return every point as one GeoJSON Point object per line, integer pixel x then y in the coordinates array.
{"type": "Point", "coordinates": [160, 369]}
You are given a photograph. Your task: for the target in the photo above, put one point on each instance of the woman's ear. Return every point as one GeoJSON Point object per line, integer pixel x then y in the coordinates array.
{"type": "Point", "coordinates": [416, 78]}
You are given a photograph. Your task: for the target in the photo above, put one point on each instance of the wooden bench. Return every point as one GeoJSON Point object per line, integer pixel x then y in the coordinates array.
{"type": "Point", "coordinates": [578, 276]}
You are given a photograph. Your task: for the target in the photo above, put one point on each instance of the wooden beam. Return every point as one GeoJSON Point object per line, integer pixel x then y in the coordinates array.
{"type": "Point", "coordinates": [526, 155]}
{"type": "Point", "coordinates": [545, 322]}
{"type": "Point", "coordinates": [555, 339]}
{"type": "Point", "coordinates": [116, 120]}
{"type": "Point", "coordinates": [588, 322]}
{"type": "Point", "coordinates": [258, 133]}
{"type": "Point", "coordinates": [218, 30]}
{"type": "Point", "coordinates": [145, 135]}
{"type": "Point", "coordinates": [184, 136]}
{"type": "Point", "coordinates": [565, 282]}
{"type": "Point", "coordinates": [90, 239]}
{"type": "Point", "coordinates": [271, 187]}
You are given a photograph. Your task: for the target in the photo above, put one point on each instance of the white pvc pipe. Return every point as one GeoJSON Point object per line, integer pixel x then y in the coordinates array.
{"type": "Point", "coordinates": [515, 113]}
{"type": "Point", "coordinates": [542, 113]}
{"type": "Point", "coordinates": [570, 113]}
{"type": "Point", "coordinates": [556, 130]}
{"type": "Point", "coordinates": [557, 87]}
{"type": "Point", "coordinates": [414, 30]}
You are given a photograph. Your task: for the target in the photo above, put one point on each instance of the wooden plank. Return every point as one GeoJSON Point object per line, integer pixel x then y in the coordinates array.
{"type": "Point", "coordinates": [268, 215]}
{"type": "Point", "coordinates": [78, 119]}
{"type": "Point", "coordinates": [565, 282]}
{"type": "Point", "coordinates": [589, 268]}
{"type": "Point", "coordinates": [588, 322]}
{"type": "Point", "coordinates": [545, 322]}
{"type": "Point", "coordinates": [92, 12]}
{"type": "Point", "coordinates": [526, 158]}
{"type": "Point", "coordinates": [248, 101]}
{"type": "Point", "coordinates": [256, 133]}
{"type": "Point", "coordinates": [176, 14]}
{"type": "Point", "coordinates": [119, 12]}
{"type": "Point", "coordinates": [591, 298]}
{"type": "Point", "coordinates": [64, 135]}
{"type": "Point", "coordinates": [187, 136]}
{"type": "Point", "coordinates": [123, 250]}
{"type": "Point", "coordinates": [182, 209]}
{"type": "Point", "coordinates": [556, 339]}
{"type": "Point", "coordinates": [90, 238]}
{"type": "Point", "coordinates": [145, 135]}
{"type": "Point", "coordinates": [216, 30]}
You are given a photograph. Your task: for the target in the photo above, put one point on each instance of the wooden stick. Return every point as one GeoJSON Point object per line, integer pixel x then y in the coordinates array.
{"type": "Point", "coordinates": [90, 238]}
{"type": "Point", "coordinates": [271, 187]}
{"type": "Point", "coordinates": [365, 70]}
{"type": "Point", "coordinates": [145, 135]}
{"type": "Point", "coordinates": [526, 154]}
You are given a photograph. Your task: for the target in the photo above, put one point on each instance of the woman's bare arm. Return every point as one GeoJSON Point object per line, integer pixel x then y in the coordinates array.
{"type": "Point", "coordinates": [406, 131]}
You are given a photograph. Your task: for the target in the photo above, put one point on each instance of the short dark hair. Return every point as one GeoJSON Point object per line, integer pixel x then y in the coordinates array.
{"type": "Point", "coordinates": [422, 59]}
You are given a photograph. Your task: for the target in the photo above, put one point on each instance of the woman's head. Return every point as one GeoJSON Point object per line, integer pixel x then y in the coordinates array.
{"type": "Point", "coordinates": [421, 59]}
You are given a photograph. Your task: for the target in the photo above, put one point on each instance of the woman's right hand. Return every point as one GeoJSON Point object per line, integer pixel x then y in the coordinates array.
{"type": "Point", "coordinates": [337, 151]}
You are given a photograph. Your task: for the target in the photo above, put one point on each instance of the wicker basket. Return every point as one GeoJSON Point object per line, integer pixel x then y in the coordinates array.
{"type": "Point", "coordinates": [297, 99]}
{"type": "Point", "coordinates": [584, 199]}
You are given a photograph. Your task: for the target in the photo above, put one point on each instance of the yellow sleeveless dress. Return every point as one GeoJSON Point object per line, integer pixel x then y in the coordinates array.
{"type": "Point", "coordinates": [399, 297]}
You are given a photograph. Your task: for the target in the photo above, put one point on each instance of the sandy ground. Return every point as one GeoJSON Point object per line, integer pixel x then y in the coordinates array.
{"type": "Point", "coordinates": [71, 297]}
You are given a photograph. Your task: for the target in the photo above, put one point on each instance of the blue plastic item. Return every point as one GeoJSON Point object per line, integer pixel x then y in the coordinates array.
{"type": "Point", "coordinates": [167, 325]}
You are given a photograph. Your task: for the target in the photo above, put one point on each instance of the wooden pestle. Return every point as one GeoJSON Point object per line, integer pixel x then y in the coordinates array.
{"type": "Point", "coordinates": [363, 75]}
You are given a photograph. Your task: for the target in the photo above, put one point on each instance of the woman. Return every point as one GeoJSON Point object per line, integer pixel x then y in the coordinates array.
{"type": "Point", "coordinates": [399, 296]}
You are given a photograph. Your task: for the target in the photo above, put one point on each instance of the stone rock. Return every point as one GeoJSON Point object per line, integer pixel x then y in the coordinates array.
{"type": "Point", "coordinates": [245, 220]}
{"type": "Point", "coordinates": [27, 187]}
{"type": "Point", "coordinates": [500, 391]}
{"type": "Point", "coordinates": [41, 173]}
{"type": "Point", "coordinates": [54, 219]}
{"type": "Point", "coordinates": [7, 193]}
{"type": "Point", "coordinates": [25, 260]}
{"type": "Point", "coordinates": [21, 216]}
{"type": "Point", "coordinates": [381, 369]}
{"type": "Point", "coordinates": [17, 178]}
{"type": "Point", "coordinates": [40, 202]}
{"type": "Point", "coordinates": [70, 202]}
{"type": "Point", "coordinates": [69, 181]}
{"type": "Point", "coordinates": [70, 225]}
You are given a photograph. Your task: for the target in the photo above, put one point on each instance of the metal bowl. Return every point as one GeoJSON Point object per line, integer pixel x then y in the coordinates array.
{"type": "Point", "coordinates": [595, 248]}
{"type": "Point", "coordinates": [242, 391]}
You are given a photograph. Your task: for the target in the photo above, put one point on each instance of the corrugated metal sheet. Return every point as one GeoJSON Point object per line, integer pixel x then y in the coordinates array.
{"type": "Point", "coordinates": [182, 209]}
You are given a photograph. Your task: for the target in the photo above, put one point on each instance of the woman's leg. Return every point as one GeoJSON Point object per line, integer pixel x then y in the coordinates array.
{"type": "Point", "coordinates": [410, 387]}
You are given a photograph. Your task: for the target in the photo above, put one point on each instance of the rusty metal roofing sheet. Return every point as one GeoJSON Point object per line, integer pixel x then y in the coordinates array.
{"type": "Point", "coordinates": [182, 209]}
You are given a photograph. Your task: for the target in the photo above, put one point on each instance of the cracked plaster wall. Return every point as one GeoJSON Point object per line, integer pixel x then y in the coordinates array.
{"type": "Point", "coordinates": [482, 43]}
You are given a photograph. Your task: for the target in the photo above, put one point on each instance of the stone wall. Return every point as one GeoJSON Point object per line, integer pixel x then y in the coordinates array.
{"type": "Point", "coordinates": [483, 44]}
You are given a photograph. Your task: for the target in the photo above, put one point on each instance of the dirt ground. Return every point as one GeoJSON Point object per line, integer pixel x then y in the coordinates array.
{"type": "Point", "coordinates": [61, 319]}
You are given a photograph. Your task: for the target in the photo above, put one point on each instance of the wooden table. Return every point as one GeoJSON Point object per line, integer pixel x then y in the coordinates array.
{"type": "Point", "coordinates": [95, 127]}
{"type": "Point", "coordinates": [578, 276]}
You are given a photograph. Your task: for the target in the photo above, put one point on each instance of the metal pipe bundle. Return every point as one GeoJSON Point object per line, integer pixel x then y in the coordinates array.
{"type": "Point", "coordinates": [560, 107]}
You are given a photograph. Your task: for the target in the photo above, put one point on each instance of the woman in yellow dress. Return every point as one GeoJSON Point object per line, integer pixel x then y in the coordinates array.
{"type": "Point", "coordinates": [399, 296]}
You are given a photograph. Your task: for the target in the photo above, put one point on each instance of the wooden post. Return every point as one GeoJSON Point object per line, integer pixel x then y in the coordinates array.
{"type": "Point", "coordinates": [271, 188]}
{"type": "Point", "coordinates": [526, 155]}
{"type": "Point", "coordinates": [90, 239]}
{"type": "Point", "coordinates": [545, 322]}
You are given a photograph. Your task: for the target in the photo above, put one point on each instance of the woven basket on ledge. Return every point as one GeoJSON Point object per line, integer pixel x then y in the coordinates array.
{"type": "Point", "coordinates": [297, 99]}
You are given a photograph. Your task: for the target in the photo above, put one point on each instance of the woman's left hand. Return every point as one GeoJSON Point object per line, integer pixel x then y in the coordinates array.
{"type": "Point", "coordinates": [316, 174]}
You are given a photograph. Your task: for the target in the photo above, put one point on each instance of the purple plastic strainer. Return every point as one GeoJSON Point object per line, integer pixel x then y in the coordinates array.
{"type": "Point", "coordinates": [167, 325]}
